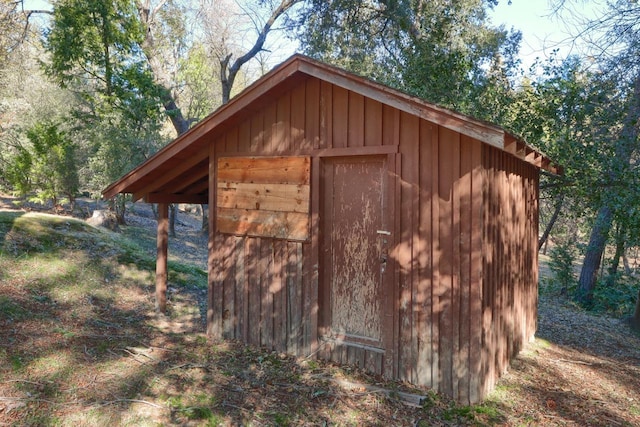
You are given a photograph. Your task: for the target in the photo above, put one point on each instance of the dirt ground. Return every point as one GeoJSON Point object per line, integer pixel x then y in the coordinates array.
{"type": "Point", "coordinates": [581, 370]}
{"type": "Point", "coordinates": [129, 367]}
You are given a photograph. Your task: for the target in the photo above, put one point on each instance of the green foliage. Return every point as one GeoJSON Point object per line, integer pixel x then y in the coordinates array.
{"type": "Point", "coordinates": [485, 414]}
{"type": "Point", "coordinates": [445, 52]}
{"type": "Point", "coordinates": [561, 263]}
{"type": "Point", "coordinates": [608, 136]}
{"type": "Point", "coordinates": [193, 412]}
{"type": "Point", "coordinates": [48, 166]}
{"type": "Point", "coordinates": [96, 50]}
{"type": "Point", "coordinates": [116, 150]}
{"type": "Point", "coordinates": [16, 363]}
{"type": "Point", "coordinates": [94, 40]}
{"type": "Point", "coordinates": [580, 118]}
{"type": "Point", "coordinates": [616, 297]}
{"type": "Point", "coordinates": [566, 113]}
{"type": "Point", "coordinates": [457, 413]}
{"type": "Point", "coordinates": [17, 168]}
{"type": "Point", "coordinates": [10, 310]}
{"type": "Point", "coordinates": [27, 100]}
{"type": "Point", "coordinates": [202, 90]}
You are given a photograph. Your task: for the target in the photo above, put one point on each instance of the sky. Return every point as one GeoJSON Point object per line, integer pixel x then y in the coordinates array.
{"type": "Point", "coordinates": [542, 30]}
{"type": "Point", "coordinates": [37, 5]}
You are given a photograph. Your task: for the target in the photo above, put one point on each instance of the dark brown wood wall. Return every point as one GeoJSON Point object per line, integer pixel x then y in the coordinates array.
{"type": "Point", "coordinates": [510, 293]}
{"type": "Point", "coordinates": [464, 268]}
{"type": "Point", "coordinates": [260, 293]}
{"type": "Point", "coordinates": [439, 259]}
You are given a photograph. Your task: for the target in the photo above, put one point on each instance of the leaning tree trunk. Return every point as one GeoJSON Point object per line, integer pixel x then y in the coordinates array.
{"type": "Point", "coordinates": [552, 221]}
{"type": "Point", "coordinates": [591, 264]}
{"type": "Point", "coordinates": [162, 75]}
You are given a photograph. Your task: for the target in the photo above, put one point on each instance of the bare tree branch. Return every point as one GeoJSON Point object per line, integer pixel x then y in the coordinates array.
{"type": "Point", "coordinates": [228, 73]}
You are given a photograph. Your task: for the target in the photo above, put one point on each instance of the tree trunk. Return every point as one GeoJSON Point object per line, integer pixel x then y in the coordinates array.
{"type": "Point", "coordinates": [552, 221]}
{"type": "Point", "coordinates": [205, 219]}
{"type": "Point", "coordinates": [625, 263]}
{"type": "Point", "coordinates": [119, 206]}
{"type": "Point", "coordinates": [612, 271]}
{"type": "Point", "coordinates": [591, 264]}
{"type": "Point", "coordinates": [162, 76]}
{"type": "Point", "coordinates": [173, 211]}
{"type": "Point", "coordinates": [624, 150]}
{"type": "Point", "coordinates": [635, 320]}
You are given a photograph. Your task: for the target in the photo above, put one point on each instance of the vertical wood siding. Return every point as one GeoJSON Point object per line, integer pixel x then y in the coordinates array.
{"type": "Point", "coordinates": [509, 303]}
{"type": "Point", "coordinates": [463, 260]}
{"type": "Point", "coordinates": [265, 286]}
{"type": "Point", "coordinates": [439, 255]}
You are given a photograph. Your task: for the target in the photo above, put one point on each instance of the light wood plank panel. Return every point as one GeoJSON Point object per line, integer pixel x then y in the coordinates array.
{"type": "Point", "coordinates": [280, 170]}
{"type": "Point", "coordinates": [269, 197]}
{"type": "Point", "coordinates": [280, 225]}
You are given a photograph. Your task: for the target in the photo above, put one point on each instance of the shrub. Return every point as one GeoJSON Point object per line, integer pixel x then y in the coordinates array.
{"type": "Point", "coordinates": [562, 257]}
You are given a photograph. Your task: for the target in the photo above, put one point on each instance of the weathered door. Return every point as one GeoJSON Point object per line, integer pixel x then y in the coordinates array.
{"type": "Point", "coordinates": [354, 245]}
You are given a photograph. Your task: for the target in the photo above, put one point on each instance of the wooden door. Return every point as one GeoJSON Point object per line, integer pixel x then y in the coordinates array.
{"type": "Point", "coordinates": [353, 251]}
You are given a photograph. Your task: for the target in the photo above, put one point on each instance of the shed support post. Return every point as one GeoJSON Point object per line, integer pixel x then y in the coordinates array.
{"type": "Point", "coordinates": [213, 328]}
{"type": "Point", "coordinates": [162, 241]}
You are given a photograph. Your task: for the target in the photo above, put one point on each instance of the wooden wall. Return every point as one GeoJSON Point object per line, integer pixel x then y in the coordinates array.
{"type": "Point", "coordinates": [261, 295]}
{"type": "Point", "coordinates": [439, 259]}
{"type": "Point", "coordinates": [510, 294]}
{"type": "Point", "coordinates": [265, 291]}
{"type": "Point", "coordinates": [464, 253]}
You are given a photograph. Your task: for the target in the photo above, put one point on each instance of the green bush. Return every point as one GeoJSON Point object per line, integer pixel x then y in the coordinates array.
{"type": "Point", "coordinates": [45, 166]}
{"type": "Point", "coordinates": [618, 298]}
{"type": "Point", "coordinates": [562, 257]}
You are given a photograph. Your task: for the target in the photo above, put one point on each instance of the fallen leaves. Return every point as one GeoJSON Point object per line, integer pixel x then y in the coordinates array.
{"type": "Point", "coordinates": [582, 370]}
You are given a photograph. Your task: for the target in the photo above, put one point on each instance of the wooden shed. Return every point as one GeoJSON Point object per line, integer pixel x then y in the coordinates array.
{"type": "Point", "coordinates": [361, 225]}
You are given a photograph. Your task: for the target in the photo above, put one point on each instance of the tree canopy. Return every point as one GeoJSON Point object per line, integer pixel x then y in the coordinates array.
{"type": "Point", "coordinates": [445, 52]}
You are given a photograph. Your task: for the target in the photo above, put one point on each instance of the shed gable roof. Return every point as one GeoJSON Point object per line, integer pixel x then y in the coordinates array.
{"type": "Point", "coordinates": [179, 171]}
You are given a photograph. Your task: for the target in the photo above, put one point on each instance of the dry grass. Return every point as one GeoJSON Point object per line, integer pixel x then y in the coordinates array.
{"type": "Point", "coordinates": [80, 345]}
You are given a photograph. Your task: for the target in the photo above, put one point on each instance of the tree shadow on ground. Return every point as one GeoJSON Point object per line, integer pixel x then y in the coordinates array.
{"type": "Point", "coordinates": [81, 344]}
{"type": "Point", "coordinates": [581, 370]}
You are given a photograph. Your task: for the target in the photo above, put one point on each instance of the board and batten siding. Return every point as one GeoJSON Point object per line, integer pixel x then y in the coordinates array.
{"type": "Point", "coordinates": [510, 250]}
{"type": "Point", "coordinates": [439, 259]}
{"type": "Point", "coordinates": [463, 268]}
